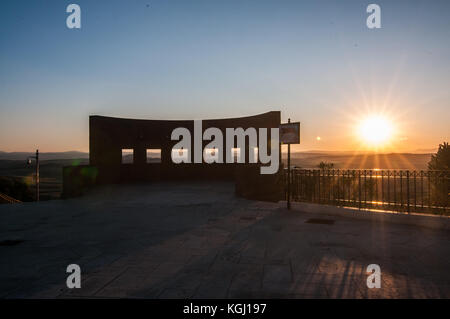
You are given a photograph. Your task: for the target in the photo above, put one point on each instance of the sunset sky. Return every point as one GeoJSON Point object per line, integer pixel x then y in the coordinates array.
{"type": "Point", "coordinates": [315, 61]}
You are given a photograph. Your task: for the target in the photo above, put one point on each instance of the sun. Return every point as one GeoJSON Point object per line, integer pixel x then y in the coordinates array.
{"type": "Point", "coordinates": [375, 130]}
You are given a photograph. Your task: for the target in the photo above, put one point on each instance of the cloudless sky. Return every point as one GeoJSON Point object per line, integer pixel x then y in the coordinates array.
{"type": "Point", "coordinates": [315, 61]}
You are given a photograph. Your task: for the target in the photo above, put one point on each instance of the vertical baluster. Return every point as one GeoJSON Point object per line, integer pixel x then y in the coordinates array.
{"type": "Point", "coordinates": [447, 181]}
{"type": "Point", "coordinates": [365, 188]}
{"type": "Point", "coordinates": [415, 190]}
{"type": "Point", "coordinates": [303, 185]}
{"type": "Point", "coordinates": [388, 189]}
{"type": "Point", "coordinates": [335, 202]}
{"type": "Point", "coordinates": [317, 186]}
{"type": "Point", "coordinates": [421, 188]}
{"type": "Point", "coordinates": [308, 185]}
{"type": "Point", "coordinates": [395, 189]}
{"type": "Point", "coordinates": [376, 188]}
{"type": "Point", "coordinates": [338, 188]}
{"type": "Point", "coordinates": [382, 188]}
{"type": "Point", "coordinates": [353, 188]}
{"type": "Point", "coordinates": [329, 185]}
{"type": "Point", "coordinates": [370, 190]}
{"type": "Point", "coordinates": [429, 191]}
{"type": "Point", "coordinates": [401, 190]}
{"type": "Point", "coordinates": [350, 193]}
{"type": "Point", "coordinates": [359, 186]}
{"type": "Point", "coordinates": [319, 190]}
{"type": "Point", "coordinates": [294, 184]}
{"type": "Point", "coordinates": [407, 192]}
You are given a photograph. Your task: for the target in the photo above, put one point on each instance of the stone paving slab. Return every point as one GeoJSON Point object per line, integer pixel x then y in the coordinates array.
{"type": "Point", "coordinates": [197, 240]}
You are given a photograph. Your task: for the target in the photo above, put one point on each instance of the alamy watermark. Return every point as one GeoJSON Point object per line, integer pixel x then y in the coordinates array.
{"type": "Point", "coordinates": [374, 19]}
{"type": "Point", "coordinates": [74, 279]}
{"type": "Point", "coordinates": [214, 151]}
{"type": "Point", "coordinates": [73, 21]}
{"type": "Point", "coordinates": [374, 279]}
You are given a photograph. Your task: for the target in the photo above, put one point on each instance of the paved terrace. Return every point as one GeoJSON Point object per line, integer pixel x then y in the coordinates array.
{"type": "Point", "coordinates": [200, 241]}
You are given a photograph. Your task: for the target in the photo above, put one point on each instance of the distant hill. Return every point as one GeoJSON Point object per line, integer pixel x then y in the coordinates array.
{"type": "Point", "coordinates": [347, 160]}
{"type": "Point", "coordinates": [22, 156]}
{"type": "Point", "coordinates": [310, 159]}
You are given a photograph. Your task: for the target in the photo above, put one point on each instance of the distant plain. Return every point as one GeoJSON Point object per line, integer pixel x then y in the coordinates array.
{"type": "Point", "coordinates": [51, 164]}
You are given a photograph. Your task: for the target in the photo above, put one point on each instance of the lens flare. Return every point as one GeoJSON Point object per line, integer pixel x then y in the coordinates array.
{"type": "Point", "coordinates": [375, 130]}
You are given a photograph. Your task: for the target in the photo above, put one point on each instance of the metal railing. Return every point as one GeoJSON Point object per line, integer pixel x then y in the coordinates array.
{"type": "Point", "coordinates": [8, 199]}
{"type": "Point", "coordinates": [393, 190]}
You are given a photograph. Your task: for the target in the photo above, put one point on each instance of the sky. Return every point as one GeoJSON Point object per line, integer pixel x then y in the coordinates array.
{"type": "Point", "coordinates": [315, 61]}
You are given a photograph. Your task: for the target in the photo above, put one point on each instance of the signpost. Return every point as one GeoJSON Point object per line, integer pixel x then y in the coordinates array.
{"type": "Point", "coordinates": [36, 158]}
{"type": "Point", "coordinates": [289, 134]}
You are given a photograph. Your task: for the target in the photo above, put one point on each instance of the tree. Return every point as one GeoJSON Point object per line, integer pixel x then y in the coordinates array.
{"type": "Point", "coordinates": [440, 160]}
{"type": "Point", "coordinates": [325, 165]}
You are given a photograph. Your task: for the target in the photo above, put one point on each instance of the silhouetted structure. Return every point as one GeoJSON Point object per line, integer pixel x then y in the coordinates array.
{"type": "Point", "coordinates": [110, 137]}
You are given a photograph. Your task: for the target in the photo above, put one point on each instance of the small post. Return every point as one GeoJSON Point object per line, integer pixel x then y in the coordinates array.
{"type": "Point", "coordinates": [289, 175]}
{"type": "Point", "coordinates": [359, 189]}
{"type": "Point", "coordinates": [407, 191]}
{"type": "Point", "coordinates": [36, 158]}
{"type": "Point", "coordinates": [37, 175]}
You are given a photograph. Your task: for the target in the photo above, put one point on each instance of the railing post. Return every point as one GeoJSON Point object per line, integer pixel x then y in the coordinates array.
{"type": "Point", "coordinates": [319, 186]}
{"type": "Point", "coordinates": [359, 189]}
{"type": "Point", "coordinates": [365, 188]}
{"type": "Point", "coordinates": [395, 189]}
{"type": "Point", "coordinates": [388, 190]}
{"type": "Point", "coordinates": [421, 188]}
{"type": "Point", "coordinates": [338, 190]}
{"type": "Point", "coordinates": [377, 197]}
{"type": "Point", "coordinates": [401, 190]}
{"type": "Point", "coordinates": [407, 191]}
{"type": "Point", "coordinates": [415, 190]}
{"type": "Point", "coordinates": [382, 189]}
{"type": "Point", "coordinates": [37, 176]}
{"type": "Point", "coordinates": [429, 191]}
{"type": "Point", "coordinates": [351, 193]}
{"type": "Point", "coordinates": [289, 178]}
{"type": "Point", "coordinates": [371, 189]}
{"type": "Point", "coordinates": [330, 186]}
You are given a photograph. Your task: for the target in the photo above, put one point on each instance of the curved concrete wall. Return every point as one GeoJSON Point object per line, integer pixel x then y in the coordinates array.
{"type": "Point", "coordinates": [108, 136]}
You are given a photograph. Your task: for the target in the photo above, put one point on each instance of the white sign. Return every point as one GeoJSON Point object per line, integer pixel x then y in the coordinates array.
{"type": "Point", "coordinates": [290, 133]}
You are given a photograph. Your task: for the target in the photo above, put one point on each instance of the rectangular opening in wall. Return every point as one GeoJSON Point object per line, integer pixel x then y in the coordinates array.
{"type": "Point", "coordinates": [153, 155]}
{"type": "Point", "coordinates": [255, 154]}
{"type": "Point", "coordinates": [180, 155]}
{"type": "Point", "coordinates": [211, 155]}
{"type": "Point", "coordinates": [127, 156]}
{"type": "Point", "coordinates": [236, 154]}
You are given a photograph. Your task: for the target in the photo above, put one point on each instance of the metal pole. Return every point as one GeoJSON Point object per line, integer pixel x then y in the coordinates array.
{"type": "Point", "coordinates": [359, 189]}
{"type": "Point", "coordinates": [407, 190]}
{"type": "Point", "coordinates": [37, 175]}
{"type": "Point", "coordinates": [289, 175]}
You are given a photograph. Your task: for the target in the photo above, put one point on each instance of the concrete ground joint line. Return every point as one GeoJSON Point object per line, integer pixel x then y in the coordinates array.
{"type": "Point", "coordinates": [109, 282]}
